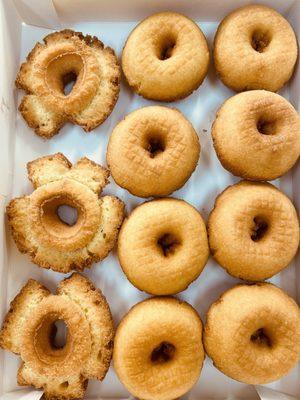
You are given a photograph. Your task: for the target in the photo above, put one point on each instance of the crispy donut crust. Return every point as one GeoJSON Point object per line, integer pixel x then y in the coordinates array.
{"type": "Point", "coordinates": [253, 230]}
{"type": "Point", "coordinates": [157, 75]}
{"type": "Point", "coordinates": [256, 135]}
{"type": "Point", "coordinates": [160, 172]}
{"type": "Point", "coordinates": [49, 66]}
{"type": "Point", "coordinates": [239, 65]}
{"type": "Point", "coordinates": [28, 327]}
{"type": "Point", "coordinates": [175, 322]}
{"type": "Point", "coordinates": [38, 231]}
{"type": "Point", "coordinates": [252, 333]}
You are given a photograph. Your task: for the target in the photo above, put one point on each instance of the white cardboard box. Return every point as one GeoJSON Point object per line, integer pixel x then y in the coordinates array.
{"type": "Point", "coordinates": [22, 24]}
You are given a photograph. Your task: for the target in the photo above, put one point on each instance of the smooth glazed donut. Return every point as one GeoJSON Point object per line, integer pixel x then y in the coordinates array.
{"type": "Point", "coordinates": [253, 230]}
{"type": "Point", "coordinates": [153, 151]}
{"type": "Point", "coordinates": [158, 351]}
{"type": "Point", "coordinates": [165, 57]}
{"type": "Point", "coordinates": [255, 48]}
{"type": "Point", "coordinates": [252, 333]}
{"type": "Point", "coordinates": [256, 135]}
{"type": "Point", "coordinates": [68, 56]}
{"type": "Point", "coordinates": [38, 230]}
{"type": "Point", "coordinates": [29, 330]}
{"type": "Point", "coordinates": [163, 246]}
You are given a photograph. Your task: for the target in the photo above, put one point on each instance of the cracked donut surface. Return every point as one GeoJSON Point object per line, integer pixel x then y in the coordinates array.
{"type": "Point", "coordinates": [252, 333]}
{"type": "Point", "coordinates": [51, 242]}
{"type": "Point", "coordinates": [28, 330]}
{"type": "Point", "coordinates": [65, 57]}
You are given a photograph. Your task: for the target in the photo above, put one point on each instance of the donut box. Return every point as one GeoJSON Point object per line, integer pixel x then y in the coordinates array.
{"type": "Point", "coordinates": [25, 22]}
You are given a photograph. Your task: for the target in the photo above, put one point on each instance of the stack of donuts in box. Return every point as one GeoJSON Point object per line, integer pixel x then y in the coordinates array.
{"type": "Point", "coordinates": [252, 332]}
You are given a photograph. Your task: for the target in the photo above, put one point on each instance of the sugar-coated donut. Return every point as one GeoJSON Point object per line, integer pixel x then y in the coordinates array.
{"type": "Point", "coordinates": [256, 135]}
{"type": "Point", "coordinates": [252, 333]}
{"type": "Point", "coordinates": [165, 57]}
{"type": "Point", "coordinates": [64, 57]}
{"type": "Point", "coordinates": [253, 230]}
{"type": "Point", "coordinates": [153, 151]}
{"type": "Point", "coordinates": [29, 330]}
{"type": "Point", "coordinates": [163, 246]}
{"type": "Point", "coordinates": [158, 352]}
{"type": "Point", "coordinates": [37, 228]}
{"type": "Point", "coordinates": [255, 48]}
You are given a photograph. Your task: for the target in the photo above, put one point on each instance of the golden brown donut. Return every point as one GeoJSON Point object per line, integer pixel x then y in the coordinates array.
{"type": "Point", "coordinates": [153, 151]}
{"type": "Point", "coordinates": [252, 333]}
{"type": "Point", "coordinates": [165, 57]}
{"type": "Point", "coordinates": [64, 57]}
{"type": "Point", "coordinates": [37, 228]}
{"type": "Point", "coordinates": [253, 230]}
{"type": "Point", "coordinates": [163, 246]}
{"type": "Point", "coordinates": [158, 352]}
{"type": "Point", "coordinates": [29, 330]}
{"type": "Point", "coordinates": [255, 48]}
{"type": "Point", "coordinates": [256, 135]}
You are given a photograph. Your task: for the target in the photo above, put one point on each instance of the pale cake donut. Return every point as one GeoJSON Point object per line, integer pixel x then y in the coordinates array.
{"type": "Point", "coordinates": [256, 135]}
{"type": "Point", "coordinates": [163, 246]}
{"type": "Point", "coordinates": [158, 352]}
{"type": "Point", "coordinates": [153, 151]}
{"type": "Point", "coordinates": [253, 230]}
{"type": "Point", "coordinates": [255, 48]}
{"type": "Point", "coordinates": [165, 57]}
{"type": "Point", "coordinates": [29, 330]}
{"type": "Point", "coordinates": [252, 333]}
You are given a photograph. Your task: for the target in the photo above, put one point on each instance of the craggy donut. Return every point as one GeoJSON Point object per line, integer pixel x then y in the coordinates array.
{"type": "Point", "coordinates": [68, 56]}
{"type": "Point", "coordinates": [163, 246]}
{"type": "Point", "coordinates": [29, 330]}
{"type": "Point", "coordinates": [38, 230]}
{"type": "Point", "coordinates": [153, 151]}
{"type": "Point", "coordinates": [252, 333]}
{"type": "Point", "coordinates": [165, 57]}
{"type": "Point", "coordinates": [253, 230]}
{"type": "Point", "coordinates": [256, 135]}
{"type": "Point", "coordinates": [255, 48]}
{"type": "Point", "coordinates": [158, 352]}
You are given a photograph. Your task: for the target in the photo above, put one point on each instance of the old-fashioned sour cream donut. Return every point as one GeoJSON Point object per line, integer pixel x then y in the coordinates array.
{"type": "Point", "coordinates": [165, 57]}
{"type": "Point", "coordinates": [255, 48]}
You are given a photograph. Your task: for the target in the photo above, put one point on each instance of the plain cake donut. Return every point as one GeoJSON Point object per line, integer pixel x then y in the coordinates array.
{"type": "Point", "coordinates": [253, 230]}
{"type": "Point", "coordinates": [252, 333]}
{"type": "Point", "coordinates": [153, 151]}
{"type": "Point", "coordinates": [256, 135]}
{"type": "Point", "coordinates": [255, 48]}
{"type": "Point", "coordinates": [163, 246]}
{"type": "Point", "coordinates": [158, 352]}
{"type": "Point", "coordinates": [165, 57]}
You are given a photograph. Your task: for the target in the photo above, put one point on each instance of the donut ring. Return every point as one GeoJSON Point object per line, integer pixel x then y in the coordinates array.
{"type": "Point", "coordinates": [252, 333]}
{"type": "Point", "coordinates": [250, 44]}
{"type": "Point", "coordinates": [161, 363]}
{"type": "Point", "coordinates": [153, 151]}
{"type": "Point", "coordinates": [155, 251]}
{"type": "Point", "coordinates": [256, 135]}
{"type": "Point", "coordinates": [38, 230]}
{"type": "Point", "coordinates": [29, 331]}
{"type": "Point", "coordinates": [68, 56]}
{"type": "Point", "coordinates": [253, 230]}
{"type": "Point", "coordinates": [165, 57]}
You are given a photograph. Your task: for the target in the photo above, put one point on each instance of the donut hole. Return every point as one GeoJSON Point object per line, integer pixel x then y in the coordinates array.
{"type": "Point", "coordinates": [58, 335]}
{"type": "Point", "coordinates": [166, 48]}
{"type": "Point", "coordinates": [168, 244]}
{"type": "Point", "coordinates": [261, 338]}
{"type": "Point", "coordinates": [259, 229]}
{"type": "Point", "coordinates": [265, 127]}
{"type": "Point", "coordinates": [162, 353]}
{"type": "Point", "coordinates": [260, 40]}
{"type": "Point", "coordinates": [64, 385]}
{"type": "Point", "coordinates": [67, 214]}
{"type": "Point", "coordinates": [155, 145]}
{"type": "Point", "coordinates": [69, 81]}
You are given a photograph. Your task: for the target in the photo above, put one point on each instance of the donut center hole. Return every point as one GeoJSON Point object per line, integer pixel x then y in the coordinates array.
{"type": "Point", "coordinates": [67, 214]}
{"type": "Point", "coordinates": [259, 229]}
{"type": "Point", "coordinates": [265, 127]}
{"type": "Point", "coordinates": [155, 146]}
{"type": "Point", "coordinates": [168, 244]}
{"type": "Point", "coordinates": [167, 48]}
{"type": "Point", "coordinates": [69, 81]}
{"type": "Point", "coordinates": [260, 41]}
{"type": "Point", "coordinates": [260, 338]}
{"type": "Point", "coordinates": [163, 353]}
{"type": "Point", "coordinates": [58, 334]}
